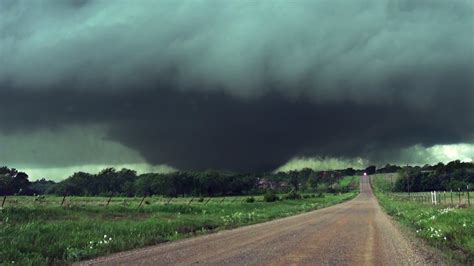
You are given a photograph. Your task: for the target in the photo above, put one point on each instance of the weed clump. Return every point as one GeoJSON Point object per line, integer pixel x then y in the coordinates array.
{"type": "Point", "coordinates": [270, 196]}
{"type": "Point", "coordinates": [293, 195]}
{"type": "Point", "coordinates": [250, 200]}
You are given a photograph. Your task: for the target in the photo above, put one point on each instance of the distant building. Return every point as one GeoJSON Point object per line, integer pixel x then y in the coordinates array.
{"type": "Point", "coordinates": [265, 183]}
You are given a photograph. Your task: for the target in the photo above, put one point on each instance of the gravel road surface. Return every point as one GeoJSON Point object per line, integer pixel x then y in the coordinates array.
{"type": "Point", "coordinates": [356, 232]}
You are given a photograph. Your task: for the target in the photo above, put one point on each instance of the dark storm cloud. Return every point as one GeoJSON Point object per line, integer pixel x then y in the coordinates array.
{"type": "Point", "coordinates": [191, 130]}
{"type": "Point", "coordinates": [242, 85]}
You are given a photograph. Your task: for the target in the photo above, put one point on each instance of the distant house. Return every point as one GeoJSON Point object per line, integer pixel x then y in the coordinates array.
{"type": "Point", "coordinates": [284, 185]}
{"type": "Point", "coordinates": [265, 183]}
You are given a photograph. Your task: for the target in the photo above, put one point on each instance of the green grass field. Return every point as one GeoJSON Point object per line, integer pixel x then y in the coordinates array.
{"type": "Point", "coordinates": [448, 228]}
{"type": "Point", "coordinates": [39, 233]}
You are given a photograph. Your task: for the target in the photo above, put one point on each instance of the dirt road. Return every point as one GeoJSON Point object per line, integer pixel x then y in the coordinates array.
{"type": "Point", "coordinates": [356, 232]}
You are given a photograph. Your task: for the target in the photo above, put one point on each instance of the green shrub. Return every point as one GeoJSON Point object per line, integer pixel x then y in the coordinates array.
{"type": "Point", "coordinates": [270, 196]}
{"type": "Point", "coordinates": [292, 195]}
{"type": "Point", "coordinates": [323, 187]}
{"type": "Point", "coordinates": [250, 200]}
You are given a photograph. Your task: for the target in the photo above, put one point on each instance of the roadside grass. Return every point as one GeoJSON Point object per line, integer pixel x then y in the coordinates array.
{"type": "Point", "coordinates": [33, 234]}
{"type": "Point", "coordinates": [350, 181]}
{"type": "Point", "coordinates": [346, 181]}
{"type": "Point", "coordinates": [449, 228]}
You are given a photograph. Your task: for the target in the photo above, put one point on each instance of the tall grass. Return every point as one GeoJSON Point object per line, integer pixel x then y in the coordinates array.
{"type": "Point", "coordinates": [40, 234]}
{"type": "Point", "coordinates": [450, 229]}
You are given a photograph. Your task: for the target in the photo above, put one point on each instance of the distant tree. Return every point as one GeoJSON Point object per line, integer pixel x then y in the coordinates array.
{"type": "Point", "coordinates": [5, 185]}
{"type": "Point", "coordinates": [312, 181]}
{"type": "Point", "coordinates": [13, 182]}
{"type": "Point", "coordinates": [370, 170]}
{"type": "Point", "coordinates": [42, 186]}
{"type": "Point", "coordinates": [20, 183]}
{"type": "Point", "coordinates": [388, 168]}
{"type": "Point", "coordinates": [349, 172]}
{"type": "Point", "coordinates": [294, 180]}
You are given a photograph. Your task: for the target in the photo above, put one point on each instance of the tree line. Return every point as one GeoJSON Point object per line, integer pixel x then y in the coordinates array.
{"type": "Point", "coordinates": [126, 182]}
{"type": "Point", "coordinates": [451, 176]}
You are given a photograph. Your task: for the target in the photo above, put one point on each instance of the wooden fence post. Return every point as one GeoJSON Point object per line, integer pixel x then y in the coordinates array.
{"type": "Point", "coordinates": [141, 202]}
{"type": "Point", "coordinates": [4, 199]}
{"type": "Point", "coordinates": [468, 198]}
{"type": "Point", "coordinates": [108, 201]}
{"type": "Point", "coordinates": [459, 195]}
{"type": "Point", "coordinates": [64, 198]}
{"type": "Point", "coordinates": [451, 197]}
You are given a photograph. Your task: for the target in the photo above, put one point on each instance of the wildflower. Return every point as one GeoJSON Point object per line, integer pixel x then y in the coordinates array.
{"type": "Point", "coordinates": [444, 211]}
{"type": "Point", "coordinates": [444, 238]}
{"type": "Point", "coordinates": [105, 236]}
{"type": "Point", "coordinates": [110, 239]}
{"type": "Point", "coordinates": [464, 224]}
{"type": "Point", "coordinates": [91, 242]}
